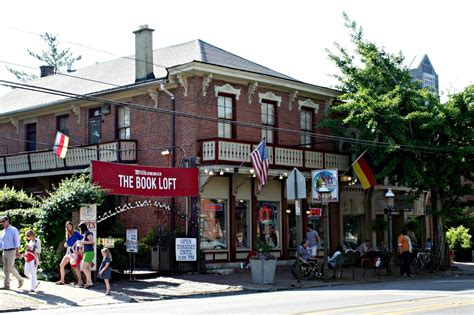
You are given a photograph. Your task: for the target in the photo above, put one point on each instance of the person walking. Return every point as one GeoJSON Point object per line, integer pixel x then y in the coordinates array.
{"type": "Point", "coordinates": [11, 251]}
{"type": "Point", "coordinates": [72, 236]}
{"type": "Point", "coordinates": [105, 269]}
{"type": "Point", "coordinates": [405, 249]}
{"type": "Point", "coordinates": [313, 238]}
{"type": "Point", "coordinates": [88, 254]}
{"type": "Point", "coordinates": [32, 258]}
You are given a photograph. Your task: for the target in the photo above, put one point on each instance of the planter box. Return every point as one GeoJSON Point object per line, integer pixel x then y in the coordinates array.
{"type": "Point", "coordinates": [263, 271]}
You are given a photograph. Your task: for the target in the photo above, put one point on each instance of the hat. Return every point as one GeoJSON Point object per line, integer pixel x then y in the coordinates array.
{"type": "Point", "coordinates": [4, 218]}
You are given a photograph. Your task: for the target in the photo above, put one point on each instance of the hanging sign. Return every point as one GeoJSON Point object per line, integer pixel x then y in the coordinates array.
{"type": "Point", "coordinates": [137, 180]}
{"type": "Point", "coordinates": [329, 177]}
{"type": "Point", "coordinates": [88, 215]}
{"type": "Point", "coordinates": [185, 249]}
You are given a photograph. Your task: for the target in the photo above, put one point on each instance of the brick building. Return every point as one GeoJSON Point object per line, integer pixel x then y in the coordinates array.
{"type": "Point", "coordinates": [205, 106]}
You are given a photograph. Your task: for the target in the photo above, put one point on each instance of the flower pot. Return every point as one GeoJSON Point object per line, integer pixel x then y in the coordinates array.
{"type": "Point", "coordinates": [263, 271]}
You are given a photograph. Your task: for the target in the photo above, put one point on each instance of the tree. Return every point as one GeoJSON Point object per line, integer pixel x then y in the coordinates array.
{"type": "Point", "coordinates": [52, 57]}
{"type": "Point", "coordinates": [415, 140]}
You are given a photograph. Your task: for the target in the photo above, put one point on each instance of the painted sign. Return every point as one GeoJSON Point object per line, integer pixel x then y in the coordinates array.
{"type": "Point", "coordinates": [132, 240]}
{"type": "Point", "coordinates": [137, 180]}
{"type": "Point", "coordinates": [329, 177]}
{"type": "Point", "coordinates": [186, 249]}
{"type": "Point", "coordinates": [88, 215]}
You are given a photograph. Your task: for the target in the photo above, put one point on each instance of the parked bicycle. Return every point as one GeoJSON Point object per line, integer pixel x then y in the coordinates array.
{"type": "Point", "coordinates": [307, 270]}
{"type": "Point", "coordinates": [423, 262]}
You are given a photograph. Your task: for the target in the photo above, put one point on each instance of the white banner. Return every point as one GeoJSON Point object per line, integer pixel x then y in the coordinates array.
{"type": "Point", "coordinates": [328, 177]}
{"type": "Point", "coordinates": [186, 249]}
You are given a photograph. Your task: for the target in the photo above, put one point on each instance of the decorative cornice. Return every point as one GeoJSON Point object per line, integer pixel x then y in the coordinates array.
{"type": "Point", "coordinates": [308, 103]}
{"type": "Point", "coordinates": [227, 88]}
{"type": "Point", "coordinates": [77, 111]}
{"type": "Point", "coordinates": [183, 81]}
{"type": "Point", "coordinates": [292, 98]}
{"type": "Point", "coordinates": [270, 97]}
{"type": "Point", "coordinates": [154, 96]}
{"type": "Point", "coordinates": [251, 90]}
{"type": "Point", "coordinates": [205, 83]}
{"type": "Point", "coordinates": [15, 122]}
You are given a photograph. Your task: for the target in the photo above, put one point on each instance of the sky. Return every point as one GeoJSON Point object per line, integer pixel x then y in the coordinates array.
{"type": "Point", "coordinates": [287, 36]}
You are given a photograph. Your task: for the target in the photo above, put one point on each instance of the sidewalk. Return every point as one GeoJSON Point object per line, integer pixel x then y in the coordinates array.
{"type": "Point", "coordinates": [50, 295]}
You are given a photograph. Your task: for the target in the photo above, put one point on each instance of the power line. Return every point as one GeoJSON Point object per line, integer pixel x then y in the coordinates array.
{"type": "Point", "coordinates": [207, 118]}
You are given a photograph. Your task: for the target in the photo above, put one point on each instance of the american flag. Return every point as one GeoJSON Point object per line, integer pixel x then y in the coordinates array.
{"type": "Point", "coordinates": [259, 158]}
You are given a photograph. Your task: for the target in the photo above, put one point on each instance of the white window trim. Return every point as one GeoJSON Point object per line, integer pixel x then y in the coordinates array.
{"type": "Point", "coordinates": [269, 96]}
{"type": "Point", "coordinates": [308, 103]}
{"type": "Point", "coordinates": [228, 89]}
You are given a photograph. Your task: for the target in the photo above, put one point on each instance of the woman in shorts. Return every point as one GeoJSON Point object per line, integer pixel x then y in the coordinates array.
{"type": "Point", "coordinates": [88, 253]}
{"type": "Point", "coordinates": [72, 236]}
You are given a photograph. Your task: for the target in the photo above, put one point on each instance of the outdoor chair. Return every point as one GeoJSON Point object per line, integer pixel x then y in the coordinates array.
{"type": "Point", "coordinates": [339, 266]}
{"type": "Point", "coordinates": [350, 260]}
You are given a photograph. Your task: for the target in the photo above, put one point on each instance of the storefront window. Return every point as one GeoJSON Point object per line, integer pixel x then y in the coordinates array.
{"type": "Point", "coordinates": [242, 211]}
{"type": "Point", "coordinates": [268, 220]}
{"type": "Point", "coordinates": [351, 231]}
{"type": "Point", "coordinates": [213, 224]}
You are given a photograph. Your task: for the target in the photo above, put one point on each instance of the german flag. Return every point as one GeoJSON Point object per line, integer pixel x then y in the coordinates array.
{"type": "Point", "coordinates": [363, 167]}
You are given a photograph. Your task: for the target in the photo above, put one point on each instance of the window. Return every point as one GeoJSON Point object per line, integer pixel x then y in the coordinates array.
{"type": "Point", "coordinates": [123, 124]}
{"type": "Point", "coordinates": [268, 119]}
{"type": "Point", "coordinates": [30, 137]}
{"type": "Point", "coordinates": [306, 123]}
{"type": "Point", "coordinates": [213, 224]}
{"type": "Point", "coordinates": [268, 223]}
{"type": "Point", "coordinates": [94, 126]}
{"type": "Point", "coordinates": [242, 211]}
{"type": "Point", "coordinates": [62, 124]}
{"type": "Point", "coordinates": [225, 111]}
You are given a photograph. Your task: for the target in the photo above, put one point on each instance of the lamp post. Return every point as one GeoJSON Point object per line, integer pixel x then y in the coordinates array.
{"type": "Point", "coordinates": [325, 194]}
{"type": "Point", "coordinates": [390, 198]}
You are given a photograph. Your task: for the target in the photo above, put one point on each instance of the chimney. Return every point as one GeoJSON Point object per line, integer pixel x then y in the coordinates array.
{"type": "Point", "coordinates": [144, 54]}
{"type": "Point", "coordinates": [46, 71]}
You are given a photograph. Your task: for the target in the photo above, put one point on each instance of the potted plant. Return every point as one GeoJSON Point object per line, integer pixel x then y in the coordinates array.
{"type": "Point", "coordinates": [263, 264]}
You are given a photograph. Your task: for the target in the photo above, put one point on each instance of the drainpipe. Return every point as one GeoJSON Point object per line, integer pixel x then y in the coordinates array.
{"type": "Point", "coordinates": [173, 164]}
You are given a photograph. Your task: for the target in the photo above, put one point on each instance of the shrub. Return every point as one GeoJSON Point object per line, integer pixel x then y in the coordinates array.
{"type": "Point", "coordinates": [458, 238]}
{"type": "Point", "coordinates": [10, 198]}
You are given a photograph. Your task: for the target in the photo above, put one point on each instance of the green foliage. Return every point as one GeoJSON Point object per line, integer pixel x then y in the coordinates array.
{"type": "Point", "coordinates": [53, 56]}
{"type": "Point", "coordinates": [21, 218]}
{"type": "Point", "coordinates": [458, 238]}
{"type": "Point", "coordinates": [60, 203]}
{"type": "Point", "coordinates": [413, 225]}
{"type": "Point", "coordinates": [10, 198]}
{"type": "Point", "coordinates": [49, 263]}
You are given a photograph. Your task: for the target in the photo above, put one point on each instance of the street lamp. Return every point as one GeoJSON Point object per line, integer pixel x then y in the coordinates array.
{"type": "Point", "coordinates": [390, 198]}
{"type": "Point", "coordinates": [325, 194]}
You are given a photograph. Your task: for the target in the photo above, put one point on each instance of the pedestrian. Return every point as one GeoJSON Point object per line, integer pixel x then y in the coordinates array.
{"type": "Point", "coordinates": [105, 269]}
{"type": "Point", "coordinates": [313, 238]}
{"type": "Point", "coordinates": [363, 248]}
{"type": "Point", "coordinates": [32, 258]}
{"type": "Point", "coordinates": [11, 251]}
{"type": "Point", "coordinates": [72, 236]}
{"type": "Point", "coordinates": [88, 253]}
{"type": "Point", "coordinates": [405, 249]}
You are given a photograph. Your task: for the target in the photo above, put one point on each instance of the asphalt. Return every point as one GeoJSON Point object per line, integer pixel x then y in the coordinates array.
{"type": "Point", "coordinates": [50, 295]}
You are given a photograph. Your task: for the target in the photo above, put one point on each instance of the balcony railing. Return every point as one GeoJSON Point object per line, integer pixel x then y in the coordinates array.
{"type": "Point", "coordinates": [77, 157]}
{"type": "Point", "coordinates": [221, 151]}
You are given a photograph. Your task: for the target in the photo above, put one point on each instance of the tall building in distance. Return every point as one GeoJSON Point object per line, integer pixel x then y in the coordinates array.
{"type": "Point", "coordinates": [422, 70]}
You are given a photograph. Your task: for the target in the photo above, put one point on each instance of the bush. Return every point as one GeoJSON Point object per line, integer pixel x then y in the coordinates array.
{"type": "Point", "coordinates": [459, 240]}
{"type": "Point", "coordinates": [10, 198]}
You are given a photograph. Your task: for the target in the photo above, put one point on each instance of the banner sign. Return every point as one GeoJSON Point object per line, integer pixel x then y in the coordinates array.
{"type": "Point", "coordinates": [132, 240]}
{"type": "Point", "coordinates": [88, 215]}
{"type": "Point", "coordinates": [186, 249]}
{"type": "Point", "coordinates": [137, 180]}
{"type": "Point", "coordinates": [329, 177]}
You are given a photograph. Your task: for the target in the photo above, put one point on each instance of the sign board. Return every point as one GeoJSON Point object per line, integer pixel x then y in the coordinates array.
{"type": "Point", "coordinates": [88, 215]}
{"type": "Point", "coordinates": [315, 213]}
{"type": "Point", "coordinates": [329, 177]}
{"type": "Point", "coordinates": [132, 240]}
{"type": "Point", "coordinates": [297, 207]}
{"type": "Point", "coordinates": [295, 185]}
{"type": "Point", "coordinates": [186, 249]}
{"type": "Point", "coordinates": [137, 180]}
{"type": "Point", "coordinates": [404, 202]}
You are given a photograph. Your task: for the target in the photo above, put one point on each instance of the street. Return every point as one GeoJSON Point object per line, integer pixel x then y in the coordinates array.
{"type": "Point", "coordinates": [447, 295]}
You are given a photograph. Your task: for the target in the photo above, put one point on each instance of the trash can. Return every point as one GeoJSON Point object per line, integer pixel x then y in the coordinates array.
{"type": "Point", "coordinates": [164, 259]}
{"type": "Point", "coordinates": [155, 258]}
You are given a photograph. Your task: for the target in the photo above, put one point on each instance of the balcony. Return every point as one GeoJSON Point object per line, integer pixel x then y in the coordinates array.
{"type": "Point", "coordinates": [76, 158]}
{"type": "Point", "coordinates": [228, 151]}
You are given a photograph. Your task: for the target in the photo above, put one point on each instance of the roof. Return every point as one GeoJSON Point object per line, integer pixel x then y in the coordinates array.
{"type": "Point", "coordinates": [121, 72]}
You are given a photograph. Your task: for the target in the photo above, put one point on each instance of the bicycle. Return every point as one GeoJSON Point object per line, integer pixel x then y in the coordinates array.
{"type": "Point", "coordinates": [423, 262]}
{"type": "Point", "coordinates": [307, 270]}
